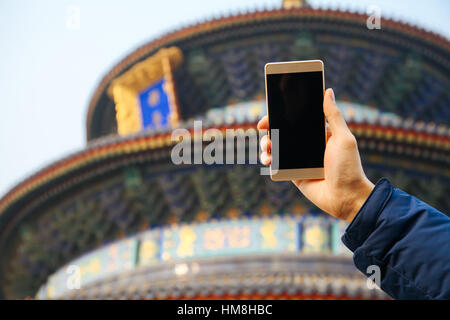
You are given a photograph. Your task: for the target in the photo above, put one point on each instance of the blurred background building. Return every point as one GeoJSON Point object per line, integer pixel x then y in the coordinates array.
{"type": "Point", "coordinates": [135, 225]}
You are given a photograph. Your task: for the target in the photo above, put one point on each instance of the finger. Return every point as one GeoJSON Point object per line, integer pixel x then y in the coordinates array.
{"type": "Point", "coordinates": [266, 144]}
{"type": "Point", "coordinates": [263, 124]}
{"type": "Point", "coordinates": [308, 187]}
{"type": "Point", "coordinates": [333, 114]}
{"type": "Point", "coordinates": [265, 158]}
{"type": "Point", "coordinates": [328, 131]}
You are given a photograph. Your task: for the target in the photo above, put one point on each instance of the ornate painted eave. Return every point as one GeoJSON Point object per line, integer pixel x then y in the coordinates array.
{"type": "Point", "coordinates": [281, 282]}
{"type": "Point", "coordinates": [109, 153]}
{"type": "Point", "coordinates": [397, 28]}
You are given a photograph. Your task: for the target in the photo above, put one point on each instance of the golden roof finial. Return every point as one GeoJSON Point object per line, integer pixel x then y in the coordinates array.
{"type": "Point", "coordinates": [294, 4]}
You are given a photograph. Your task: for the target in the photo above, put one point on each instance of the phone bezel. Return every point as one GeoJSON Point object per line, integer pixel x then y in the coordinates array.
{"type": "Point", "coordinates": [295, 67]}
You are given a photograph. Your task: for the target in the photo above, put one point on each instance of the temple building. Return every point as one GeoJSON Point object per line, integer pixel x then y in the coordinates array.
{"type": "Point", "coordinates": [127, 222]}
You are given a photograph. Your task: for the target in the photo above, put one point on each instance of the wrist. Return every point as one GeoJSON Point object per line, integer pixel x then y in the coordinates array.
{"type": "Point", "coordinates": [361, 194]}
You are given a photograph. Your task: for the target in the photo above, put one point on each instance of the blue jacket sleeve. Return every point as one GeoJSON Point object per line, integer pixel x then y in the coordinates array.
{"type": "Point", "coordinates": [407, 239]}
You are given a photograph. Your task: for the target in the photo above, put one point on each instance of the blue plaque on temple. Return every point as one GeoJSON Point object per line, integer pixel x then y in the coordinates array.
{"type": "Point", "coordinates": [155, 108]}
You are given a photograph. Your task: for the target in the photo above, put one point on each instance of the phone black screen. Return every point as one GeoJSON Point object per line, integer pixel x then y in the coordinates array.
{"type": "Point", "coordinates": [295, 103]}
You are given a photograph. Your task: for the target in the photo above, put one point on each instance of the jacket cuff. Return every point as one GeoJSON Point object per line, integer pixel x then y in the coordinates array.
{"type": "Point", "coordinates": [365, 220]}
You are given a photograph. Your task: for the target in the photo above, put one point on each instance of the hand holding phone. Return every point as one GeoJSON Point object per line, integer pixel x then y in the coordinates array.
{"type": "Point", "coordinates": [345, 187]}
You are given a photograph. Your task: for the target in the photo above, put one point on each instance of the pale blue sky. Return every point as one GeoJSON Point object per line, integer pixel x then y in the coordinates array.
{"type": "Point", "coordinates": [49, 71]}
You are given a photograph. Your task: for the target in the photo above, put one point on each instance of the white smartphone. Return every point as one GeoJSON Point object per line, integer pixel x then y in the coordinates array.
{"type": "Point", "coordinates": [294, 96]}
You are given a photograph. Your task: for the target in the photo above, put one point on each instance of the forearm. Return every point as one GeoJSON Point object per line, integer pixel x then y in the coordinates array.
{"type": "Point", "coordinates": [407, 239]}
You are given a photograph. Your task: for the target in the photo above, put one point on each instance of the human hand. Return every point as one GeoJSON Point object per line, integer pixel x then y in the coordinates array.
{"type": "Point", "coordinates": [345, 187]}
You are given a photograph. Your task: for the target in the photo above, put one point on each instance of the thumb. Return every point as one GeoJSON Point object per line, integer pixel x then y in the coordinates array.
{"type": "Point", "coordinates": [333, 114]}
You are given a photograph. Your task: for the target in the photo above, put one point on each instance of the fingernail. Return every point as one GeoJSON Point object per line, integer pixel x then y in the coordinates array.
{"type": "Point", "coordinates": [332, 94]}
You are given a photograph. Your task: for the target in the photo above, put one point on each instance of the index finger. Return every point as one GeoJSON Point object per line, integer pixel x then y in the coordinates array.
{"type": "Point", "coordinates": [263, 124]}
